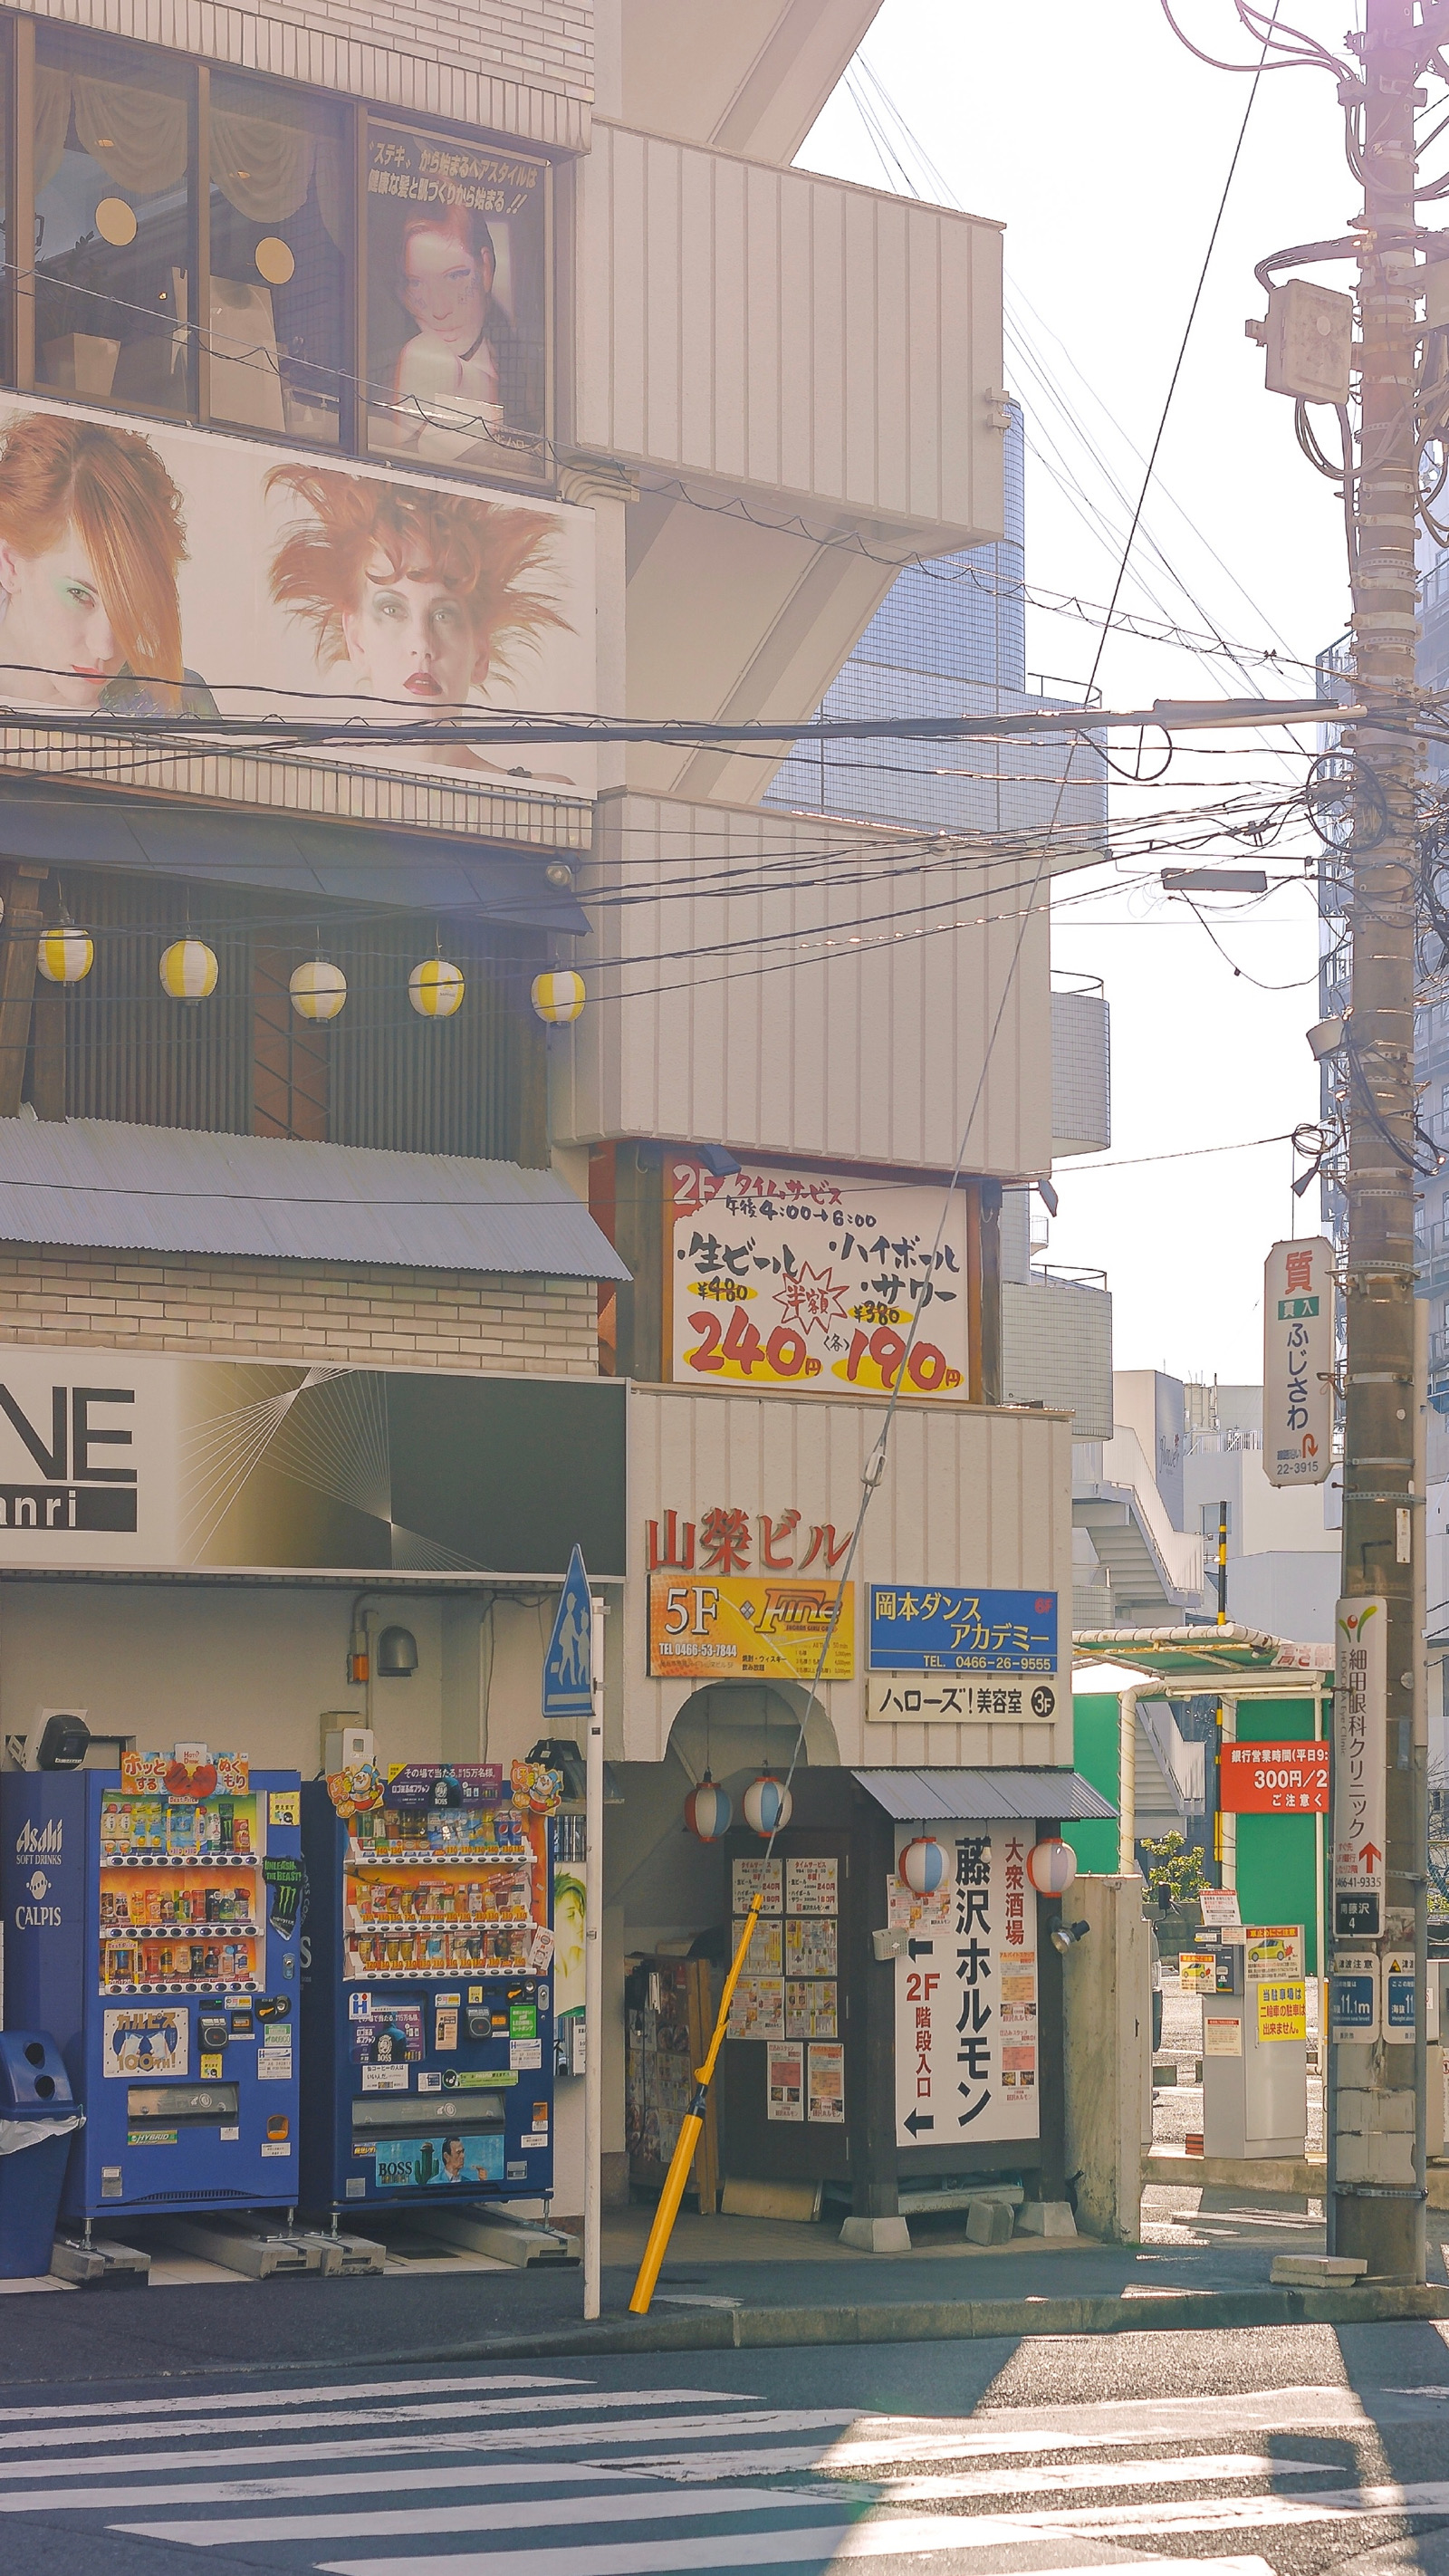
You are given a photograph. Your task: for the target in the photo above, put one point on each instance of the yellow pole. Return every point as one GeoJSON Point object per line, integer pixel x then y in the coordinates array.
{"type": "Point", "coordinates": [688, 2139]}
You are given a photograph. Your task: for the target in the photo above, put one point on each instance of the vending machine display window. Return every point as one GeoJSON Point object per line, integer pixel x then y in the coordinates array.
{"type": "Point", "coordinates": [181, 1894]}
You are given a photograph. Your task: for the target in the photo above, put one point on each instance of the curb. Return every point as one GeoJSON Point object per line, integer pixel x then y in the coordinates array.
{"type": "Point", "coordinates": [883, 2322]}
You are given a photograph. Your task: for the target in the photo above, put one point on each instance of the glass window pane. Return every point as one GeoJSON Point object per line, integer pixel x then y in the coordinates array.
{"type": "Point", "coordinates": [279, 225]}
{"type": "Point", "coordinates": [456, 303]}
{"type": "Point", "coordinates": [112, 223]}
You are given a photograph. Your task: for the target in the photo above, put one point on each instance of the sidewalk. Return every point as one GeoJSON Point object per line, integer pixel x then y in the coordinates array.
{"type": "Point", "coordinates": [728, 2283]}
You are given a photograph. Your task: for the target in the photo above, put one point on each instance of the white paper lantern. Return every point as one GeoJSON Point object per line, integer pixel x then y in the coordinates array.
{"type": "Point", "coordinates": [558, 997]}
{"type": "Point", "coordinates": [65, 956]}
{"type": "Point", "coordinates": [188, 970]}
{"type": "Point", "coordinates": [1051, 1866]}
{"type": "Point", "coordinates": [922, 1866]}
{"type": "Point", "coordinates": [435, 989]}
{"type": "Point", "coordinates": [767, 1805]}
{"type": "Point", "coordinates": [708, 1811]}
{"type": "Point", "coordinates": [318, 989]}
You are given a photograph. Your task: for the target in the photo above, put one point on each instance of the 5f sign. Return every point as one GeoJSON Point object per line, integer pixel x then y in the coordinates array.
{"type": "Point", "coordinates": [1298, 1362]}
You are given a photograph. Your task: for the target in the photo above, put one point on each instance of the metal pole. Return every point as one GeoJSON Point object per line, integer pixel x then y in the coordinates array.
{"type": "Point", "coordinates": [594, 1964]}
{"type": "Point", "coordinates": [1126, 1783]}
{"type": "Point", "coordinates": [1222, 1565]}
{"type": "Point", "coordinates": [1381, 2218]}
{"type": "Point", "coordinates": [1227, 1818]}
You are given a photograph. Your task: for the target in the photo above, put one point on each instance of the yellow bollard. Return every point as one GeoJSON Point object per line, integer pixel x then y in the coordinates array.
{"type": "Point", "coordinates": [688, 2139]}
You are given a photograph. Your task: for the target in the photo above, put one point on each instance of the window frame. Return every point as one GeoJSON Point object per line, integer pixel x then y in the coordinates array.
{"type": "Point", "coordinates": [17, 297]}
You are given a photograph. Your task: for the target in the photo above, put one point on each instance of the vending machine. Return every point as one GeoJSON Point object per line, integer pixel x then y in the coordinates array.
{"type": "Point", "coordinates": [428, 1998]}
{"type": "Point", "coordinates": [151, 1926]}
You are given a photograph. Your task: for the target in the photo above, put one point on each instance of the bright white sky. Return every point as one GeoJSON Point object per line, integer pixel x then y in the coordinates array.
{"type": "Point", "coordinates": [1103, 146]}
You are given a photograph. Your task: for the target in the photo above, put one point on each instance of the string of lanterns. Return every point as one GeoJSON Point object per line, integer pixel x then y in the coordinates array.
{"type": "Point", "coordinates": [189, 971]}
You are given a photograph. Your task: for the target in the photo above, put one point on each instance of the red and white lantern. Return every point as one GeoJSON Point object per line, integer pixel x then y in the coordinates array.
{"type": "Point", "coordinates": [708, 1811]}
{"type": "Point", "coordinates": [1051, 1866]}
{"type": "Point", "coordinates": [767, 1805]}
{"type": "Point", "coordinates": [922, 1866]}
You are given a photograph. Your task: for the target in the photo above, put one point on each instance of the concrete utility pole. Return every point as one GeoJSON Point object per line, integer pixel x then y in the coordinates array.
{"type": "Point", "coordinates": [1378, 2217]}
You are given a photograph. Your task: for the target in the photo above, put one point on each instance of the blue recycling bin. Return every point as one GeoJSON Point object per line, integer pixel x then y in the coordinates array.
{"type": "Point", "coordinates": [38, 2118]}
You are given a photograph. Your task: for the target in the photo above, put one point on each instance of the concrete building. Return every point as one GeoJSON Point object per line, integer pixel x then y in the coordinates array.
{"type": "Point", "coordinates": [498, 362]}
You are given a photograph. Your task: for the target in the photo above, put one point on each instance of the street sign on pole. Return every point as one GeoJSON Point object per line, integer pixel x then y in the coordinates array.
{"type": "Point", "coordinates": [568, 1688]}
{"type": "Point", "coordinates": [1298, 1362]}
{"type": "Point", "coordinates": [1360, 1729]}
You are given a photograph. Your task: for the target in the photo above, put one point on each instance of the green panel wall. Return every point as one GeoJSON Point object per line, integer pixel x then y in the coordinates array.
{"type": "Point", "coordinates": [1095, 1747]}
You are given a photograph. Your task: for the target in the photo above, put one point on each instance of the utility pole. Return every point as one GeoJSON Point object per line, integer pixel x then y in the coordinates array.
{"type": "Point", "coordinates": [1375, 2217]}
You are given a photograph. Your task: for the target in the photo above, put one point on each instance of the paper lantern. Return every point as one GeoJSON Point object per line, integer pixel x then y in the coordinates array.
{"type": "Point", "coordinates": [708, 1811]}
{"type": "Point", "coordinates": [188, 970]}
{"type": "Point", "coordinates": [922, 1866]}
{"type": "Point", "coordinates": [1051, 1866]}
{"type": "Point", "coordinates": [65, 956]}
{"type": "Point", "coordinates": [318, 990]}
{"type": "Point", "coordinates": [767, 1805]}
{"type": "Point", "coordinates": [435, 989]}
{"type": "Point", "coordinates": [558, 997]}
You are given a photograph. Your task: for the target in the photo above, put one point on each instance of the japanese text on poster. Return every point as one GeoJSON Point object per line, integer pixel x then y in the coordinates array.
{"type": "Point", "coordinates": [784, 2080]}
{"type": "Point", "coordinates": [826, 2060]}
{"type": "Point", "coordinates": [966, 2002]}
{"type": "Point", "coordinates": [923, 1628]}
{"type": "Point", "coordinates": [809, 1280]}
{"type": "Point", "coordinates": [1298, 1362]}
{"type": "Point", "coordinates": [1360, 1726]}
{"type": "Point", "coordinates": [750, 1628]}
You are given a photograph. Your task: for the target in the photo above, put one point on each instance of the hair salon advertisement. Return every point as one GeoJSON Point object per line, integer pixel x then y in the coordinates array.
{"type": "Point", "coordinates": [156, 570]}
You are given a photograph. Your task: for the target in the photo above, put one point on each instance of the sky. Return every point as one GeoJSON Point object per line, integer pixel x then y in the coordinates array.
{"type": "Point", "coordinates": [1104, 146]}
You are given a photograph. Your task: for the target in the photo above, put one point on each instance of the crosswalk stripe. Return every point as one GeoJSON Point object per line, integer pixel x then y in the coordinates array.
{"type": "Point", "coordinates": [1184, 2471]}
{"type": "Point", "coordinates": [293, 2396]}
{"type": "Point", "coordinates": [239, 2423]}
{"type": "Point", "coordinates": [914, 2537]}
{"type": "Point", "coordinates": [979, 2531]}
{"type": "Point", "coordinates": [552, 2437]}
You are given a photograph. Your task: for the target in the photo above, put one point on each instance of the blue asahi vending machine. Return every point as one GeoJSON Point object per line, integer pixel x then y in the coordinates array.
{"type": "Point", "coordinates": [151, 1926]}
{"type": "Point", "coordinates": [428, 2057]}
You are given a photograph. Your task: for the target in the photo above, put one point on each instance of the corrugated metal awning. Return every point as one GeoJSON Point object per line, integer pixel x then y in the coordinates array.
{"type": "Point", "coordinates": [922, 1797]}
{"type": "Point", "coordinates": [286, 853]}
{"type": "Point", "coordinates": [108, 1187]}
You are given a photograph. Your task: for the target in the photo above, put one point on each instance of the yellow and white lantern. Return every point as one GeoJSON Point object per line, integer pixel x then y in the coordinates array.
{"type": "Point", "coordinates": [188, 970]}
{"type": "Point", "coordinates": [558, 996]}
{"type": "Point", "coordinates": [318, 989]}
{"type": "Point", "coordinates": [436, 989]}
{"type": "Point", "coordinates": [65, 956]}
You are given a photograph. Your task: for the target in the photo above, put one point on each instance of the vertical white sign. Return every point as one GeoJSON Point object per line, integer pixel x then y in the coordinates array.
{"type": "Point", "coordinates": [1360, 1732]}
{"type": "Point", "coordinates": [1298, 1362]}
{"type": "Point", "coordinates": [966, 1992]}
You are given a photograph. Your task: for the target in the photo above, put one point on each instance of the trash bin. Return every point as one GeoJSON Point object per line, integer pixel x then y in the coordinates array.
{"type": "Point", "coordinates": [38, 2116]}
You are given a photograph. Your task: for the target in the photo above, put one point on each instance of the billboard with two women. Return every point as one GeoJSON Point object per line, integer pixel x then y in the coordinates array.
{"type": "Point", "coordinates": [148, 570]}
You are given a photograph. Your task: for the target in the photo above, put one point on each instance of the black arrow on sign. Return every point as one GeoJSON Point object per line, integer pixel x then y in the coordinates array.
{"type": "Point", "coordinates": [918, 2121]}
{"type": "Point", "coordinates": [921, 1949]}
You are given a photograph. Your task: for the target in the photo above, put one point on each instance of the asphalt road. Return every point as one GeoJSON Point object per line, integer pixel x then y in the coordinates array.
{"type": "Point", "coordinates": [1273, 2452]}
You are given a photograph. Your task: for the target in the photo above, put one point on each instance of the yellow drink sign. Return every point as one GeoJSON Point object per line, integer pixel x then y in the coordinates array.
{"type": "Point", "coordinates": [745, 1627]}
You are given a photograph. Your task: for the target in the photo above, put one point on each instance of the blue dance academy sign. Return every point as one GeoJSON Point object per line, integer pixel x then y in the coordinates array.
{"type": "Point", "coordinates": [924, 1628]}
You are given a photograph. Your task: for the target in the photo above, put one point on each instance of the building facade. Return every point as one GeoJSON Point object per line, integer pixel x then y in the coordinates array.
{"type": "Point", "coordinates": [377, 402]}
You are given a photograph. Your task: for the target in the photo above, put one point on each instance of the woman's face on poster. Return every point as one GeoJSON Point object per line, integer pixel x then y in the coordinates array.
{"type": "Point", "coordinates": [55, 626]}
{"type": "Point", "coordinates": [410, 637]}
{"type": "Point", "coordinates": [445, 287]}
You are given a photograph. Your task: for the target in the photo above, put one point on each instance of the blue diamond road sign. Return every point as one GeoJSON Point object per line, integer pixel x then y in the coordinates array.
{"type": "Point", "coordinates": [568, 1687]}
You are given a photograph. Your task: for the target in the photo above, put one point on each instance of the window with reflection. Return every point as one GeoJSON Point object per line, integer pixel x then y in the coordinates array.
{"type": "Point", "coordinates": [277, 328]}
{"type": "Point", "coordinates": [113, 159]}
{"type": "Point", "coordinates": [456, 247]}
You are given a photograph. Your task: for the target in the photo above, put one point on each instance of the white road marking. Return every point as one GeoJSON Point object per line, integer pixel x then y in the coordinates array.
{"type": "Point", "coordinates": [1185, 2471]}
{"type": "Point", "coordinates": [243, 2424]}
{"type": "Point", "coordinates": [290, 2396]}
{"type": "Point", "coordinates": [916, 2537]}
{"type": "Point", "coordinates": [977, 2531]}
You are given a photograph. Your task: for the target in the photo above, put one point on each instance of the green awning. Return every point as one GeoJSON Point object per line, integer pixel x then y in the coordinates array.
{"type": "Point", "coordinates": [1211, 1659]}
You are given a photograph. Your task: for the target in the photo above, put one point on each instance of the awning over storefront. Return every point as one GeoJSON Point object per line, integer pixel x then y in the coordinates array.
{"type": "Point", "coordinates": [95, 1183]}
{"type": "Point", "coordinates": [66, 825]}
{"type": "Point", "coordinates": [920, 1797]}
{"type": "Point", "coordinates": [1244, 1662]}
